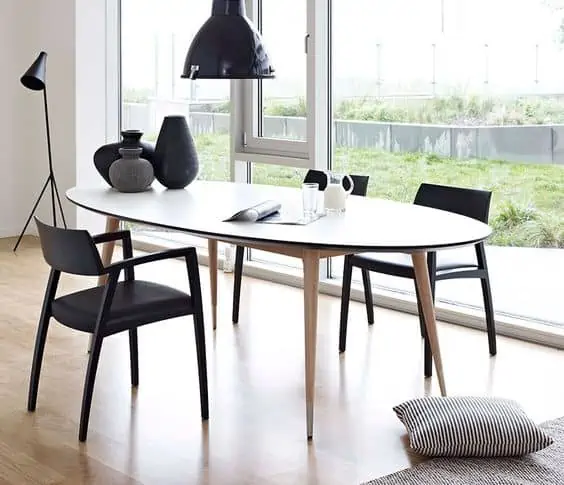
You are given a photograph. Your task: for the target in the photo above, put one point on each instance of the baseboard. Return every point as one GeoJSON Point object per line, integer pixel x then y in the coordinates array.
{"type": "Point", "coordinates": [507, 325]}
{"type": "Point", "coordinates": [11, 232]}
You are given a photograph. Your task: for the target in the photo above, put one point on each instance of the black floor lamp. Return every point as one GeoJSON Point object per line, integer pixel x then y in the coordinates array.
{"type": "Point", "coordinates": [34, 79]}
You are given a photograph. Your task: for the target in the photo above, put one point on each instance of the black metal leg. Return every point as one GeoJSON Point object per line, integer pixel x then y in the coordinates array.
{"type": "Point", "coordinates": [345, 300]}
{"type": "Point", "coordinates": [420, 313]}
{"type": "Point", "coordinates": [59, 201]}
{"type": "Point", "coordinates": [53, 208]}
{"type": "Point", "coordinates": [32, 212]}
{"type": "Point", "coordinates": [134, 357]}
{"type": "Point", "coordinates": [202, 365]}
{"type": "Point", "coordinates": [238, 276]}
{"type": "Point", "coordinates": [368, 296]}
{"type": "Point", "coordinates": [89, 386]}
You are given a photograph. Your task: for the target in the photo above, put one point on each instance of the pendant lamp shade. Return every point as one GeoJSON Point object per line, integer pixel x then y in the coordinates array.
{"type": "Point", "coordinates": [227, 46]}
{"type": "Point", "coordinates": [34, 77]}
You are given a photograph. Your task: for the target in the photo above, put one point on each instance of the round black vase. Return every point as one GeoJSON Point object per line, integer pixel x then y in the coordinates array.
{"type": "Point", "coordinates": [108, 154]}
{"type": "Point", "coordinates": [176, 158]}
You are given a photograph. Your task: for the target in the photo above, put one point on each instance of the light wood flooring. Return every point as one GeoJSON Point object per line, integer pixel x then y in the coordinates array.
{"type": "Point", "coordinates": [256, 432]}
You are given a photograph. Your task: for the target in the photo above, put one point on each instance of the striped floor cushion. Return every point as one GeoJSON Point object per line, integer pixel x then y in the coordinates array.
{"type": "Point", "coordinates": [470, 427]}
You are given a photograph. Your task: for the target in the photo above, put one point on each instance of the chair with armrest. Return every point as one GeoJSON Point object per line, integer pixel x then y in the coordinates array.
{"type": "Point", "coordinates": [117, 306]}
{"type": "Point", "coordinates": [443, 265]}
{"type": "Point", "coordinates": [360, 187]}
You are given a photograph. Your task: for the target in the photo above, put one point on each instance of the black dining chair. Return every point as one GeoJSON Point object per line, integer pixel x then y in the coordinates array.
{"type": "Point", "coordinates": [443, 265]}
{"type": "Point", "coordinates": [117, 306]}
{"type": "Point", "coordinates": [360, 187]}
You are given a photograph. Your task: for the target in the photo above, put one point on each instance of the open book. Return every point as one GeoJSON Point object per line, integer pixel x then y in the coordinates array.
{"type": "Point", "coordinates": [270, 212]}
{"type": "Point", "coordinates": [256, 212]}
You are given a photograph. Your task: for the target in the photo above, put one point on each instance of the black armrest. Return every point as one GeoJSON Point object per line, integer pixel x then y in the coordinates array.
{"type": "Point", "coordinates": [111, 236]}
{"type": "Point", "coordinates": [149, 258]}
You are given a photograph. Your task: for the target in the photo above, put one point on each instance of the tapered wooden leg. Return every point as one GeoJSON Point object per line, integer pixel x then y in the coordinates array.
{"type": "Point", "coordinates": [112, 225]}
{"type": "Point", "coordinates": [424, 287]}
{"type": "Point", "coordinates": [311, 286]}
{"type": "Point", "coordinates": [212, 256]}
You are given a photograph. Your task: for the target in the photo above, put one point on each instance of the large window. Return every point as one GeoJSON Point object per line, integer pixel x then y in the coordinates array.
{"type": "Point", "coordinates": [406, 91]}
{"type": "Point", "coordinates": [155, 39]}
{"type": "Point", "coordinates": [454, 94]}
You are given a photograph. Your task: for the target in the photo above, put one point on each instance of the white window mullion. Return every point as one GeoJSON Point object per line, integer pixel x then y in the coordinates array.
{"type": "Point", "coordinates": [253, 148]}
{"type": "Point", "coordinates": [318, 75]}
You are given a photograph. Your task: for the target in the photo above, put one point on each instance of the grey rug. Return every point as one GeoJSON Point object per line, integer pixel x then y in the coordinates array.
{"type": "Point", "coordinates": [545, 467]}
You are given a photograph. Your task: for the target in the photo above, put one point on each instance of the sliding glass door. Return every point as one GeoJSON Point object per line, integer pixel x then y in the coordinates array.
{"type": "Point", "coordinates": [452, 93]}
{"type": "Point", "coordinates": [405, 91]}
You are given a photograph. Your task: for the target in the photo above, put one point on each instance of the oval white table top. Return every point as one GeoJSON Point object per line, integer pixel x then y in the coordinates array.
{"type": "Point", "coordinates": [368, 224]}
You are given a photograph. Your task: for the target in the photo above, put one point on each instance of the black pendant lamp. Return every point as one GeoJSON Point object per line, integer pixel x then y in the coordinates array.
{"type": "Point", "coordinates": [227, 46]}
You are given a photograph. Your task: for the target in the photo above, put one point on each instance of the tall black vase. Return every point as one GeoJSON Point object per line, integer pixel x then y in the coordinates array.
{"type": "Point", "coordinates": [176, 158]}
{"type": "Point", "coordinates": [108, 154]}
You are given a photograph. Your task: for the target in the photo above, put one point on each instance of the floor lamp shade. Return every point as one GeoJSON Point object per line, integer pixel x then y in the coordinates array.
{"type": "Point", "coordinates": [34, 77]}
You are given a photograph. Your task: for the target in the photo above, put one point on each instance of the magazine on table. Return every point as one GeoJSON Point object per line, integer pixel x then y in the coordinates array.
{"type": "Point", "coordinates": [271, 212]}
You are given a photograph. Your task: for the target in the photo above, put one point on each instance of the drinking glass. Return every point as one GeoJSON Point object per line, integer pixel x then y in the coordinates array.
{"type": "Point", "coordinates": [309, 199]}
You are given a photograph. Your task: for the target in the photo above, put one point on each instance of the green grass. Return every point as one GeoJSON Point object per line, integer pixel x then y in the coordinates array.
{"type": "Point", "coordinates": [527, 204]}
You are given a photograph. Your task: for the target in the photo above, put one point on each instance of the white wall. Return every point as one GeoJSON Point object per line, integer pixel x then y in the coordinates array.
{"type": "Point", "coordinates": [16, 161]}
{"type": "Point", "coordinates": [73, 33]}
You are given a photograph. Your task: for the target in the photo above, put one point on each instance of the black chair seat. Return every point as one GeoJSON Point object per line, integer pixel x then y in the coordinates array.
{"type": "Point", "coordinates": [135, 303]}
{"type": "Point", "coordinates": [391, 263]}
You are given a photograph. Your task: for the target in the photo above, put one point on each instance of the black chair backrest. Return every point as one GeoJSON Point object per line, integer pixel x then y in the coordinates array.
{"type": "Point", "coordinates": [472, 203]}
{"type": "Point", "coordinates": [320, 177]}
{"type": "Point", "coordinates": [360, 184]}
{"type": "Point", "coordinates": [316, 176]}
{"type": "Point", "coordinates": [69, 250]}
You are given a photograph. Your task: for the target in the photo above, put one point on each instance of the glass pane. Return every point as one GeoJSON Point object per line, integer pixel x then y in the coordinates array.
{"type": "Point", "coordinates": [155, 39]}
{"type": "Point", "coordinates": [283, 98]}
{"type": "Point", "coordinates": [283, 177]}
{"type": "Point", "coordinates": [469, 103]}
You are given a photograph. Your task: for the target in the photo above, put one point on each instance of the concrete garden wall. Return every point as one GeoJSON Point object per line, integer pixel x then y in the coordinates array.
{"type": "Point", "coordinates": [530, 143]}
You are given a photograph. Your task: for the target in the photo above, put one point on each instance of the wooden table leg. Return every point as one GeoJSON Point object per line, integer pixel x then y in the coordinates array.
{"type": "Point", "coordinates": [311, 287]}
{"type": "Point", "coordinates": [423, 285]}
{"type": "Point", "coordinates": [212, 263]}
{"type": "Point", "coordinates": [112, 225]}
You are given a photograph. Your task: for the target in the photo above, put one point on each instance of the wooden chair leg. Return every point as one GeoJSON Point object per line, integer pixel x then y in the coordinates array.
{"type": "Point", "coordinates": [368, 296]}
{"type": "Point", "coordinates": [134, 357]}
{"type": "Point", "coordinates": [345, 300]}
{"type": "Point", "coordinates": [199, 333]}
{"type": "Point", "coordinates": [89, 386]}
{"type": "Point", "coordinates": [237, 276]}
{"type": "Point", "coordinates": [37, 361]}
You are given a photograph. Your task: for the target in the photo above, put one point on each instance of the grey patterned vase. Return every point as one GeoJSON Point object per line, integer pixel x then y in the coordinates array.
{"type": "Point", "coordinates": [131, 173]}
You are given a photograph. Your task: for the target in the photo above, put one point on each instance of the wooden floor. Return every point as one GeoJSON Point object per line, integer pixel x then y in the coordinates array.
{"type": "Point", "coordinates": [256, 432]}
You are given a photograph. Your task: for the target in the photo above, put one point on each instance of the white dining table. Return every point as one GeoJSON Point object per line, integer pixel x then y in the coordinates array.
{"type": "Point", "coordinates": [368, 225]}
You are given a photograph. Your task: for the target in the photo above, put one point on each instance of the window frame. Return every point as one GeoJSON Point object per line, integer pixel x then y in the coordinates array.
{"type": "Point", "coordinates": [313, 152]}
